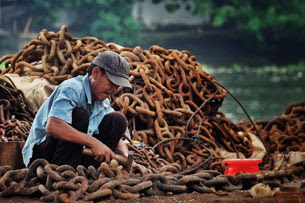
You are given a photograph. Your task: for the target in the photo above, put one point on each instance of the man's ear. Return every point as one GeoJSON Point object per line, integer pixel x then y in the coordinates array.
{"type": "Point", "coordinates": [95, 71]}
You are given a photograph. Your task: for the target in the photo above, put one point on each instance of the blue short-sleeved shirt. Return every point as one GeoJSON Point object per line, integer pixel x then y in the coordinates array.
{"type": "Point", "coordinates": [71, 93]}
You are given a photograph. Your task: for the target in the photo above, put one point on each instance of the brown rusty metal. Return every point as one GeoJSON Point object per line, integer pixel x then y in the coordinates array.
{"type": "Point", "coordinates": [284, 133]}
{"type": "Point", "coordinates": [158, 103]}
{"type": "Point", "coordinates": [173, 97]}
{"type": "Point", "coordinates": [10, 154]}
{"type": "Point", "coordinates": [84, 187]}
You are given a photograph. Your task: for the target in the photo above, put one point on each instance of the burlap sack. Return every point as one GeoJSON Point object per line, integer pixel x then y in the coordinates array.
{"type": "Point", "coordinates": [259, 150]}
{"type": "Point", "coordinates": [36, 89]}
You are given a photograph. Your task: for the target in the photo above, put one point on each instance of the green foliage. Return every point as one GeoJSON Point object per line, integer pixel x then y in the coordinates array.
{"type": "Point", "coordinates": [44, 12]}
{"type": "Point", "coordinates": [108, 20]}
{"type": "Point", "coordinates": [2, 66]}
{"type": "Point", "coordinates": [267, 21]}
{"type": "Point", "coordinates": [172, 7]}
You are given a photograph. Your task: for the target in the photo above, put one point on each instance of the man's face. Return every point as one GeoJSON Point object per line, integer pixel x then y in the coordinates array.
{"type": "Point", "coordinates": [101, 86]}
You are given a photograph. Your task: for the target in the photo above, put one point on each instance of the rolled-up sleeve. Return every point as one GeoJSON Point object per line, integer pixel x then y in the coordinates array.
{"type": "Point", "coordinates": [63, 105]}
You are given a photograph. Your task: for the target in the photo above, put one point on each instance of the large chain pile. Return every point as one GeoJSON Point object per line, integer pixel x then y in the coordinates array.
{"type": "Point", "coordinates": [54, 56]}
{"type": "Point", "coordinates": [172, 97]}
{"type": "Point", "coordinates": [172, 108]}
{"type": "Point", "coordinates": [63, 183]}
{"type": "Point", "coordinates": [15, 115]}
{"type": "Point", "coordinates": [285, 133]}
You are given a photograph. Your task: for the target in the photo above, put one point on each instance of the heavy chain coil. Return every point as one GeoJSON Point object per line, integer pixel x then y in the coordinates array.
{"type": "Point", "coordinates": [65, 184]}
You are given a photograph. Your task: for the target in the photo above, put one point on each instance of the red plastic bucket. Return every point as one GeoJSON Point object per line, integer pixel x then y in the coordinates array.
{"type": "Point", "coordinates": [235, 166]}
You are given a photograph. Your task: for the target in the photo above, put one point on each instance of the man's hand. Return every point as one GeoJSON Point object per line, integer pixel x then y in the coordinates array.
{"type": "Point", "coordinates": [102, 152]}
{"type": "Point", "coordinates": [142, 169]}
{"type": "Point", "coordinates": [122, 149]}
{"type": "Point", "coordinates": [59, 129]}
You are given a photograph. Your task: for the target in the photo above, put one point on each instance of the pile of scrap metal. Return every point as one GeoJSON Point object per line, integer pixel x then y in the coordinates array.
{"type": "Point", "coordinates": [15, 115]}
{"type": "Point", "coordinates": [173, 109]}
{"type": "Point", "coordinates": [173, 106]}
{"type": "Point", "coordinates": [285, 133]}
{"type": "Point", "coordinates": [64, 183]}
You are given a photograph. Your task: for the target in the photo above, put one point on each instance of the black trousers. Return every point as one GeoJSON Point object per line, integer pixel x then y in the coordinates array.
{"type": "Point", "coordinates": [61, 152]}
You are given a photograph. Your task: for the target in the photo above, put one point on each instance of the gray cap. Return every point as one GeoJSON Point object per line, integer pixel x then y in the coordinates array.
{"type": "Point", "coordinates": [115, 66]}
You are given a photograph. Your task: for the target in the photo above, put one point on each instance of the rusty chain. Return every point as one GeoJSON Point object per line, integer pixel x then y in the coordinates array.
{"type": "Point", "coordinates": [64, 183]}
{"type": "Point", "coordinates": [15, 114]}
{"type": "Point", "coordinates": [284, 133]}
{"type": "Point", "coordinates": [172, 109]}
{"type": "Point", "coordinates": [170, 97]}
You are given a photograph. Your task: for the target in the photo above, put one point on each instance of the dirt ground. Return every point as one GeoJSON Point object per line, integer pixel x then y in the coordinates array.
{"type": "Point", "coordinates": [194, 197]}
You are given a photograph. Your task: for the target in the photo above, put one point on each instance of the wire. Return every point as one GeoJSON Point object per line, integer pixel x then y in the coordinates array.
{"type": "Point", "coordinates": [243, 108]}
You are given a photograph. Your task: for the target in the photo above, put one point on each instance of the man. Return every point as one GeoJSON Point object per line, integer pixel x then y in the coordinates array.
{"type": "Point", "coordinates": [78, 114]}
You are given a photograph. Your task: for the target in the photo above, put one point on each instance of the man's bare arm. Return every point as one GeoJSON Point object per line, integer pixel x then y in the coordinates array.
{"type": "Point", "coordinates": [122, 148]}
{"type": "Point", "coordinates": [59, 129]}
